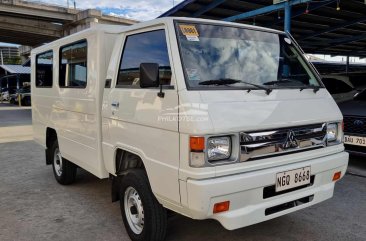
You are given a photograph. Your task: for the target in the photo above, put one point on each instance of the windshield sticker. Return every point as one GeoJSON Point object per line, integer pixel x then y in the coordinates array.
{"type": "Point", "coordinates": [189, 30]}
{"type": "Point", "coordinates": [193, 74]}
{"type": "Point", "coordinates": [193, 38]}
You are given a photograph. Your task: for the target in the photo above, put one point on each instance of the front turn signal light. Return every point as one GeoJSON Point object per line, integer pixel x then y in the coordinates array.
{"type": "Point", "coordinates": [337, 176]}
{"type": "Point", "coordinates": [197, 147]}
{"type": "Point", "coordinates": [221, 207]}
{"type": "Point", "coordinates": [197, 143]}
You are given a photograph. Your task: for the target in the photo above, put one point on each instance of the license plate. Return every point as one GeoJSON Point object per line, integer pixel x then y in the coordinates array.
{"type": "Point", "coordinates": [293, 178]}
{"type": "Point", "coordinates": [355, 140]}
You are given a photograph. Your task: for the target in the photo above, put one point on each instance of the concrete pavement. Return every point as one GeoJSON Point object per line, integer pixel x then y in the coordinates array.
{"type": "Point", "coordinates": [16, 133]}
{"type": "Point", "coordinates": [33, 206]}
{"type": "Point", "coordinates": [15, 123]}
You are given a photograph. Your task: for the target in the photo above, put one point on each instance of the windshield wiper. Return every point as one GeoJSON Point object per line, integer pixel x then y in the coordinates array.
{"type": "Point", "coordinates": [228, 81]}
{"type": "Point", "coordinates": [219, 82]}
{"type": "Point", "coordinates": [313, 87]}
{"type": "Point", "coordinates": [283, 81]}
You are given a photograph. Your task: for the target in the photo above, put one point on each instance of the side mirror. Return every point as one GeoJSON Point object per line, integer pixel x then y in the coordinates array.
{"type": "Point", "coordinates": [149, 75]}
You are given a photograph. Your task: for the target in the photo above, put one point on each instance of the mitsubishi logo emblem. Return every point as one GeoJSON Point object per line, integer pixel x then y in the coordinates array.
{"type": "Point", "coordinates": [291, 141]}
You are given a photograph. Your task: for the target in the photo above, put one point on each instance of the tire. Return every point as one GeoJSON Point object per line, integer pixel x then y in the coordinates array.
{"type": "Point", "coordinates": [64, 170]}
{"type": "Point", "coordinates": [27, 101]}
{"type": "Point", "coordinates": [138, 203]}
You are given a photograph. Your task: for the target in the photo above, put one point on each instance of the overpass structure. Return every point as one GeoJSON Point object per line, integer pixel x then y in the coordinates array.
{"type": "Point", "coordinates": [33, 24]}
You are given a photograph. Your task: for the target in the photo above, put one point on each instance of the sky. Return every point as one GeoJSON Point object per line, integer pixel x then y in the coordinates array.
{"type": "Point", "coordinates": [141, 10]}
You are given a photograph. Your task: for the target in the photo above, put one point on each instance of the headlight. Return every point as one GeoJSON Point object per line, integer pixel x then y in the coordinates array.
{"type": "Point", "coordinates": [332, 132]}
{"type": "Point", "coordinates": [219, 148]}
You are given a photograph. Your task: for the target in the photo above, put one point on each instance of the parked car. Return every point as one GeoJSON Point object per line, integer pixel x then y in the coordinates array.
{"type": "Point", "coordinates": [340, 87]}
{"type": "Point", "coordinates": [209, 119]}
{"type": "Point", "coordinates": [4, 94]}
{"type": "Point", "coordinates": [354, 114]}
{"type": "Point", "coordinates": [25, 96]}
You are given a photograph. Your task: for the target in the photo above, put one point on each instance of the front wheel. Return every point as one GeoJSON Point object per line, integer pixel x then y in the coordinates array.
{"type": "Point", "coordinates": [64, 170]}
{"type": "Point", "coordinates": [145, 219]}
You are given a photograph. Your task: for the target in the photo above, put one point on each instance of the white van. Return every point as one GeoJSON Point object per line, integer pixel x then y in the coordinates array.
{"type": "Point", "coordinates": [209, 119]}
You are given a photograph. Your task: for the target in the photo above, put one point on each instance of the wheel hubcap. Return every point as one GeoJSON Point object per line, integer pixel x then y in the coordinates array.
{"type": "Point", "coordinates": [134, 210]}
{"type": "Point", "coordinates": [57, 162]}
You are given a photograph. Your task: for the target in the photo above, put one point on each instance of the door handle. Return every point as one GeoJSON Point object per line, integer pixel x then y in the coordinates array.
{"type": "Point", "coordinates": [115, 104]}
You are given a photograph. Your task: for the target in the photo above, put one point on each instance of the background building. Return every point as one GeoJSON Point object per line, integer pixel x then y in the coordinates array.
{"type": "Point", "coordinates": [9, 54]}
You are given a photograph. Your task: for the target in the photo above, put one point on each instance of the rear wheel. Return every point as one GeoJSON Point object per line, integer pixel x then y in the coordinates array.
{"type": "Point", "coordinates": [144, 217]}
{"type": "Point", "coordinates": [64, 171]}
{"type": "Point", "coordinates": [27, 101]}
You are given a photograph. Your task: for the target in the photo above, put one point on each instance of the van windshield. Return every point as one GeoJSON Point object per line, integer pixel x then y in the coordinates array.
{"type": "Point", "coordinates": [217, 56]}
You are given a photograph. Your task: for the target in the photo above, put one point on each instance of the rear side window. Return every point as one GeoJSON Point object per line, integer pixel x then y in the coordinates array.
{"type": "Point", "coordinates": [149, 47]}
{"type": "Point", "coordinates": [44, 70]}
{"type": "Point", "coordinates": [73, 65]}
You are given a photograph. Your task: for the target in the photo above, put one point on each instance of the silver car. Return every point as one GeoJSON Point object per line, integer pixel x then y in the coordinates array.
{"type": "Point", "coordinates": [4, 96]}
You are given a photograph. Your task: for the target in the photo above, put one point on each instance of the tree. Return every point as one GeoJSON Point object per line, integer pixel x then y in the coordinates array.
{"type": "Point", "coordinates": [13, 60]}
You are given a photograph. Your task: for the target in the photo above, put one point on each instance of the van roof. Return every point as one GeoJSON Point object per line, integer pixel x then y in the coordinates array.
{"type": "Point", "coordinates": [116, 29]}
{"type": "Point", "coordinates": [197, 20]}
{"type": "Point", "coordinates": [97, 28]}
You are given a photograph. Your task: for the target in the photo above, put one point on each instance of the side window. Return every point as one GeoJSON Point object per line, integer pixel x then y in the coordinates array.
{"type": "Point", "coordinates": [149, 47]}
{"type": "Point", "coordinates": [44, 70]}
{"type": "Point", "coordinates": [73, 65]}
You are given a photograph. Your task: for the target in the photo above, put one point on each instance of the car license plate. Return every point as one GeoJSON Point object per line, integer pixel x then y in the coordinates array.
{"type": "Point", "coordinates": [355, 140]}
{"type": "Point", "coordinates": [293, 178]}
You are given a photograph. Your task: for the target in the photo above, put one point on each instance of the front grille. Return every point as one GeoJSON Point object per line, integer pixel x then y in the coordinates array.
{"type": "Point", "coordinates": [264, 144]}
{"type": "Point", "coordinates": [354, 125]}
{"type": "Point", "coordinates": [270, 191]}
{"type": "Point", "coordinates": [288, 205]}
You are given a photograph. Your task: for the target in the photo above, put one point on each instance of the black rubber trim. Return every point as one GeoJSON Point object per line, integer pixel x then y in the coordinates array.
{"type": "Point", "coordinates": [288, 205]}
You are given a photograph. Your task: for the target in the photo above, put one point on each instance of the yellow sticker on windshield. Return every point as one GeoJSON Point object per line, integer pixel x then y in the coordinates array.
{"type": "Point", "coordinates": [189, 30]}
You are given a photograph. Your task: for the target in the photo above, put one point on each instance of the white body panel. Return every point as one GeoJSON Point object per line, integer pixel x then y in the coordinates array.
{"type": "Point", "coordinates": [75, 112]}
{"type": "Point", "coordinates": [247, 111]}
{"type": "Point", "coordinates": [134, 126]}
{"type": "Point", "coordinates": [91, 130]}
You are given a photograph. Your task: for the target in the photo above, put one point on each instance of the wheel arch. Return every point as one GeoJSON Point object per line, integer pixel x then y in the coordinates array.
{"type": "Point", "coordinates": [124, 161]}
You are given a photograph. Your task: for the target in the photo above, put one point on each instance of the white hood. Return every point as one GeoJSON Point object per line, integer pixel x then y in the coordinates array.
{"type": "Point", "coordinates": [233, 111]}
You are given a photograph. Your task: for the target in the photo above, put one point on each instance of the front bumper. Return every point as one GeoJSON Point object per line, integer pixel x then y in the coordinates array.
{"type": "Point", "coordinates": [245, 192]}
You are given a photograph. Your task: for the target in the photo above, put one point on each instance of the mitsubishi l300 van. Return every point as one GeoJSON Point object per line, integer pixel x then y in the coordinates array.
{"type": "Point", "coordinates": [208, 119]}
